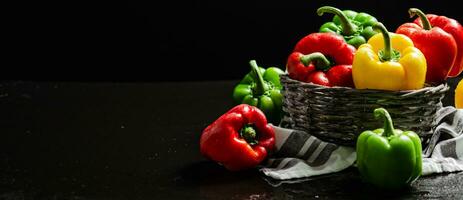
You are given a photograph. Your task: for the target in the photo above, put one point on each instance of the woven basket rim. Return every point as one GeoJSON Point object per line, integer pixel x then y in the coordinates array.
{"type": "Point", "coordinates": [441, 87]}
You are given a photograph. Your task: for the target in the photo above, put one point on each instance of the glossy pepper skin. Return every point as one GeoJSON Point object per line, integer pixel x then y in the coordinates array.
{"type": "Point", "coordinates": [388, 61]}
{"type": "Point", "coordinates": [459, 95]}
{"type": "Point", "coordinates": [389, 158]}
{"type": "Point", "coordinates": [438, 46]}
{"type": "Point", "coordinates": [356, 28]}
{"type": "Point", "coordinates": [261, 88]}
{"type": "Point", "coordinates": [309, 62]}
{"type": "Point", "coordinates": [239, 139]}
{"type": "Point", "coordinates": [455, 29]}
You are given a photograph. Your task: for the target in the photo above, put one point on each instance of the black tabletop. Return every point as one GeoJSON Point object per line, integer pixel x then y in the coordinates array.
{"type": "Point", "coordinates": [107, 140]}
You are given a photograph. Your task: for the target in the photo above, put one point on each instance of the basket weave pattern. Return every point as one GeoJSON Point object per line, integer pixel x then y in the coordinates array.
{"type": "Point", "coordinates": [340, 114]}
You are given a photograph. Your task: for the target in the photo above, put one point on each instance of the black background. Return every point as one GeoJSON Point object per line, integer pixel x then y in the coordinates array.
{"type": "Point", "coordinates": [145, 40]}
{"type": "Point", "coordinates": [71, 140]}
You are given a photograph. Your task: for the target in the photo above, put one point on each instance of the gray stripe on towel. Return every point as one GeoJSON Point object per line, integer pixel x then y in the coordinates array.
{"type": "Point", "coordinates": [293, 144]}
{"type": "Point", "coordinates": [292, 163]}
{"type": "Point", "coordinates": [324, 155]}
{"type": "Point", "coordinates": [311, 149]}
{"type": "Point", "coordinates": [306, 146]}
{"type": "Point", "coordinates": [448, 149]}
{"type": "Point", "coordinates": [317, 152]}
{"type": "Point", "coordinates": [275, 162]}
{"type": "Point", "coordinates": [283, 163]}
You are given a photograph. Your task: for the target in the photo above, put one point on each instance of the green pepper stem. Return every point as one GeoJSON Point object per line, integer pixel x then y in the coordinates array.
{"type": "Point", "coordinates": [321, 62]}
{"type": "Point", "coordinates": [347, 27]}
{"type": "Point", "coordinates": [387, 55]}
{"type": "Point", "coordinates": [249, 134]}
{"type": "Point", "coordinates": [424, 20]}
{"type": "Point", "coordinates": [381, 113]}
{"type": "Point", "coordinates": [261, 87]}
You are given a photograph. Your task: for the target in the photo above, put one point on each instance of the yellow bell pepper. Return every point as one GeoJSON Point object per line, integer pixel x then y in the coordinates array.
{"type": "Point", "coordinates": [459, 95]}
{"type": "Point", "coordinates": [388, 61]}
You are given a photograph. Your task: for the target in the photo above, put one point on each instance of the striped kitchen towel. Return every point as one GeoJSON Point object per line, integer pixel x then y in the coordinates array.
{"type": "Point", "coordinates": [301, 155]}
{"type": "Point", "coordinates": [445, 150]}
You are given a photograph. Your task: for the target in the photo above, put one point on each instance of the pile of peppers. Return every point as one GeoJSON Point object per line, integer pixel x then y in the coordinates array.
{"type": "Point", "coordinates": [352, 50]}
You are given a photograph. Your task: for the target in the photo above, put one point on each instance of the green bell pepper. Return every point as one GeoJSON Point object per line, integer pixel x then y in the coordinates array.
{"type": "Point", "coordinates": [387, 157]}
{"type": "Point", "coordinates": [261, 88]}
{"type": "Point", "coordinates": [356, 28]}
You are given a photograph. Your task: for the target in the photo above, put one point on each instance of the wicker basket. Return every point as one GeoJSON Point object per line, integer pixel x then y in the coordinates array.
{"type": "Point", "coordinates": [340, 114]}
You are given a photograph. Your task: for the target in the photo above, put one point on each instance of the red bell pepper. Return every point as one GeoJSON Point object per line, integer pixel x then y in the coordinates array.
{"type": "Point", "coordinates": [456, 30]}
{"type": "Point", "coordinates": [322, 58]}
{"type": "Point", "coordinates": [239, 139]}
{"type": "Point", "coordinates": [438, 46]}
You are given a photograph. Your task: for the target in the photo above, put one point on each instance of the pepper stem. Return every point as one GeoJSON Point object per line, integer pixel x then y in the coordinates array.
{"type": "Point", "coordinates": [388, 127]}
{"type": "Point", "coordinates": [320, 61]}
{"type": "Point", "coordinates": [387, 52]}
{"type": "Point", "coordinates": [249, 134]}
{"type": "Point", "coordinates": [424, 21]}
{"type": "Point", "coordinates": [347, 27]}
{"type": "Point", "coordinates": [261, 87]}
